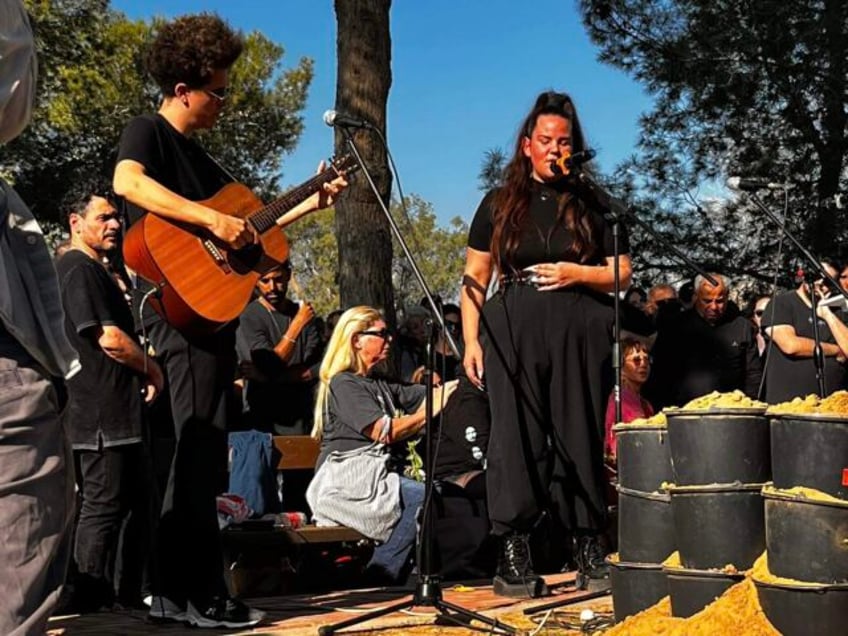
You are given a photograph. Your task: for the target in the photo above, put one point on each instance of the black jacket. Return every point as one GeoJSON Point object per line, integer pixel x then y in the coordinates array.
{"type": "Point", "coordinates": [692, 358]}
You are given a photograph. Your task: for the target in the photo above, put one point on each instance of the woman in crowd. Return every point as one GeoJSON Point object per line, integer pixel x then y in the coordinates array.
{"type": "Point", "coordinates": [354, 410]}
{"type": "Point", "coordinates": [544, 342]}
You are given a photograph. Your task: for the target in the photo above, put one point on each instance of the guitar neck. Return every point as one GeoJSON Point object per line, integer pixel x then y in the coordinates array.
{"type": "Point", "coordinates": [265, 218]}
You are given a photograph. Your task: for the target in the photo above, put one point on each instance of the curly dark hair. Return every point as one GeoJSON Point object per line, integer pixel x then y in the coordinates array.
{"type": "Point", "coordinates": [190, 49]}
{"type": "Point", "coordinates": [512, 202]}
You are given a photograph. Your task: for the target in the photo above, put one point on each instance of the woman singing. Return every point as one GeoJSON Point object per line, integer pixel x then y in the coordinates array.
{"type": "Point", "coordinates": [544, 342]}
{"type": "Point", "coordinates": [353, 411]}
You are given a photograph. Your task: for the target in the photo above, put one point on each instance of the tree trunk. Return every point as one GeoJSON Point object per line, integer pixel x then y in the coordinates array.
{"type": "Point", "coordinates": [362, 89]}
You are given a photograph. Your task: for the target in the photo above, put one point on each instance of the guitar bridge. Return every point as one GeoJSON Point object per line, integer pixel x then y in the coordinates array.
{"type": "Point", "coordinates": [217, 255]}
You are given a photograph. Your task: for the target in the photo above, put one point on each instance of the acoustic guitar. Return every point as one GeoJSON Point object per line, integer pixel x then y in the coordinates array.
{"type": "Point", "coordinates": [201, 283]}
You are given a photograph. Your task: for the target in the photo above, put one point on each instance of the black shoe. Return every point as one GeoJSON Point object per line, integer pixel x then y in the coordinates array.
{"type": "Point", "coordinates": [223, 612]}
{"type": "Point", "coordinates": [515, 577]}
{"type": "Point", "coordinates": [589, 554]}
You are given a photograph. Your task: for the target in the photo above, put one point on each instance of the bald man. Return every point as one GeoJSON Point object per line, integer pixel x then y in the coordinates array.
{"type": "Point", "coordinates": [710, 347]}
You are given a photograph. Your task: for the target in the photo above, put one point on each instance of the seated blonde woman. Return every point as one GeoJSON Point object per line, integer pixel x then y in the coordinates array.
{"type": "Point", "coordinates": [354, 410]}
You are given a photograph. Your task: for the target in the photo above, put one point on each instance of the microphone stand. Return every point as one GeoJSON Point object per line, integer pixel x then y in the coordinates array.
{"type": "Point", "coordinates": [818, 352]}
{"type": "Point", "coordinates": [614, 210]}
{"type": "Point", "coordinates": [428, 590]}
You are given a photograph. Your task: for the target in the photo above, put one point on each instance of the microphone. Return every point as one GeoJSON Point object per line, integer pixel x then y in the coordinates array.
{"type": "Point", "coordinates": [567, 163]}
{"type": "Point", "coordinates": [740, 183]}
{"type": "Point", "coordinates": [334, 118]}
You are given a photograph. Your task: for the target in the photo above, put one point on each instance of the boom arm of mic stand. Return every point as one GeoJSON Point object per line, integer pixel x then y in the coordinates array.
{"type": "Point", "coordinates": [617, 207]}
{"type": "Point", "coordinates": [807, 254]}
{"type": "Point", "coordinates": [437, 314]}
{"type": "Point", "coordinates": [818, 352]}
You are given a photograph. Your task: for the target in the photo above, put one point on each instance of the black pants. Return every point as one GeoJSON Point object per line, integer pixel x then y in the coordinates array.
{"type": "Point", "coordinates": [547, 361]}
{"type": "Point", "coordinates": [188, 562]}
{"type": "Point", "coordinates": [114, 484]}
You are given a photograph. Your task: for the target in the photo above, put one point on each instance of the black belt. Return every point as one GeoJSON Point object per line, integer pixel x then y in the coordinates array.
{"type": "Point", "coordinates": [517, 279]}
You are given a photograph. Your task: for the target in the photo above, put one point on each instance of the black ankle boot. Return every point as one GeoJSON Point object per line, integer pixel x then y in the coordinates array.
{"type": "Point", "coordinates": [589, 554]}
{"type": "Point", "coordinates": [515, 576]}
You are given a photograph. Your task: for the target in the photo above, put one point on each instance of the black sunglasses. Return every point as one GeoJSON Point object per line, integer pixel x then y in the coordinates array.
{"type": "Point", "coordinates": [383, 333]}
{"type": "Point", "coordinates": [218, 93]}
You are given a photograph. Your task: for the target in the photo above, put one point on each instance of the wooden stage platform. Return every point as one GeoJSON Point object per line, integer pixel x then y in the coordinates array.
{"type": "Point", "coordinates": [299, 615]}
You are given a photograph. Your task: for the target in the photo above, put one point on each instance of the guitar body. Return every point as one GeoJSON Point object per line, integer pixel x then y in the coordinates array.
{"type": "Point", "coordinates": [203, 284]}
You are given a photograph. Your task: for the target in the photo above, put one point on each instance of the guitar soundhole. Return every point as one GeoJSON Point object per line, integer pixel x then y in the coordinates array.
{"type": "Point", "coordinates": [246, 259]}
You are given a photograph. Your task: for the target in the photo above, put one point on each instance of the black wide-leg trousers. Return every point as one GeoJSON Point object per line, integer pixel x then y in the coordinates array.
{"type": "Point", "coordinates": [547, 369]}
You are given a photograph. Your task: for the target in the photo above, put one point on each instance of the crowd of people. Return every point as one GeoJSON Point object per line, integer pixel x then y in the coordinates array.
{"type": "Point", "coordinates": [522, 415]}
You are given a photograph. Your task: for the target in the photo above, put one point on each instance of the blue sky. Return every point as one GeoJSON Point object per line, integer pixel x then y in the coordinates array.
{"type": "Point", "coordinates": [465, 72]}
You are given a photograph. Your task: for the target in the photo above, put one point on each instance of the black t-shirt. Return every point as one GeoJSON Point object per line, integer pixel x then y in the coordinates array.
{"type": "Point", "coordinates": [278, 406]}
{"type": "Point", "coordinates": [789, 376]}
{"type": "Point", "coordinates": [463, 431]}
{"type": "Point", "coordinates": [170, 158]}
{"type": "Point", "coordinates": [173, 160]}
{"type": "Point", "coordinates": [543, 239]}
{"type": "Point", "coordinates": [105, 403]}
{"type": "Point", "coordinates": [355, 403]}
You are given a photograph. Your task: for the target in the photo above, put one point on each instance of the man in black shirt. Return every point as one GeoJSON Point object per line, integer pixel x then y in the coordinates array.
{"type": "Point", "coordinates": [278, 344]}
{"type": "Point", "coordinates": [160, 169]}
{"type": "Point", "coordinates": [790, 370]}
{"type": "Point", "coordinates": [103, 417]}
{"type": "Point", "coordinates": [710, 347]}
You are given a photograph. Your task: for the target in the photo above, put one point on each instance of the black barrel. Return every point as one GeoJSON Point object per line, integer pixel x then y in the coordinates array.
{"type": "Point", "coordinates": [807, 539]}
{"type": "Point", "coordinates": [718, 525]}
{"type": "Point", "coordinates": [812, 451]}
{"type": "Point", "coordinates": [719, 447]}
{"type": "Point", "coordinates": [635, 586]}
{"type": "Point", "coordinates": [644, 460]}
{"type": "Point", "coordinates": [692, 590]}
{"type": "Point", "coordinates": [805, 610]}
{"type": "Point", "coordinates": [645, 526]}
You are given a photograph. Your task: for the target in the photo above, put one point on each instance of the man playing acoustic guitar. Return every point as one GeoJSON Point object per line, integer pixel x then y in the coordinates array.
{"type": "Point", "coordinates": [160, 169]}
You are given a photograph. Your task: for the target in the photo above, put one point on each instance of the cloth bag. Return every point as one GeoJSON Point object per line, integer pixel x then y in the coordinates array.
{"type": "Point", "coordinates": [356, 489]}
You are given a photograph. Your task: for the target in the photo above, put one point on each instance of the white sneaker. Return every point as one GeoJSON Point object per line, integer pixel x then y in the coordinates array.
{"type": "Point", "coordinates": [224, 612]}
{"type": "Point", "coordinates": [164, 610]}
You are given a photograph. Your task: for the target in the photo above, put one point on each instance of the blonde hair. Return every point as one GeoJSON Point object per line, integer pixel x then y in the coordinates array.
{"type": "Point", "coordinates": [341, 356]}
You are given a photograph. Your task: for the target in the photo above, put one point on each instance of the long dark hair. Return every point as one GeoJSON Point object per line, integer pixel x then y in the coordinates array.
{"type": "Point", "coordinates": [512, 201]}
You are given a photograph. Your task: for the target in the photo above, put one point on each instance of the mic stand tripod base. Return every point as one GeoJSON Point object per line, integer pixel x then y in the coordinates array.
{"type": "Point", "coordinates": [428, 593]}
{"type": "Point", "coordinates": [428, 589]}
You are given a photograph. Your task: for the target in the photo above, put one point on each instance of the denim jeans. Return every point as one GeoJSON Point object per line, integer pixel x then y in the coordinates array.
{"type": "Point", "coordinates": [391, 557]}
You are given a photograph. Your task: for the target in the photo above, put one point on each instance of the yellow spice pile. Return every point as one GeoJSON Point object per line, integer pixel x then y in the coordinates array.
{"type": "Point", "coordinates": [715, 400]}
{"type": "Point", "coordinates": [655, 421]}
{"type": "Point", "coordinates": [834, 404]}
{"type": "Point", "coordinates": [737, 611]}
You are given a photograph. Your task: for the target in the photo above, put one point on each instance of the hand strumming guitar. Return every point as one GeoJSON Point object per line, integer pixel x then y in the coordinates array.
{"type": "Point", "coordinates": [234, 231]}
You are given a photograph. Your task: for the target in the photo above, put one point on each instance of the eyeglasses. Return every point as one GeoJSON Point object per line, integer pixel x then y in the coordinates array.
{"type": "Point", "coordinates": [219, 94]}
{"type": "Point", "coordinates": [384, 333]}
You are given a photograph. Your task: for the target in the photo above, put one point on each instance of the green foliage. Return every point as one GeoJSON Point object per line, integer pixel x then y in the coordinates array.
{"type": "Point", "coordinates": [741, 88]}
{"type": "Point", "coordinates": [91, 82]}
{"type": "Point", "coordinates": [438, 251]}
{"type": "Point", "coordinates": [491, 169]}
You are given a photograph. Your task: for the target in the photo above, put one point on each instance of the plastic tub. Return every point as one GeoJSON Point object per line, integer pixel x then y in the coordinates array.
{"type": "Point", "coordinates": [805, 610]}
{"type": "Point", "coordinates": [719, 447]}
{"type": "Point", "coordinates": [645, 526]}
{"type": "Point", "coordinates": [643, 456]}
{"type": "Point", "coordinates": [635, 586]}
{"type": "Point", "coordinates": [719, 524]}
{"type": "Point", "coordinates": [812, 451]}
{"type": "Point", "coordinates": [807, 539]}
{"type": "Point", "coordinates": [692, 590]}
